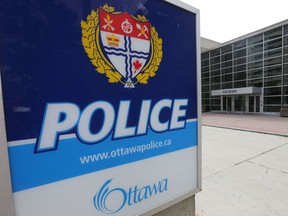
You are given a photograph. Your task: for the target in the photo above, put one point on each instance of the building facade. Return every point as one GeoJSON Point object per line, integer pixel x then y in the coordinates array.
{"type": "Point", "coordinates": [248, 74]}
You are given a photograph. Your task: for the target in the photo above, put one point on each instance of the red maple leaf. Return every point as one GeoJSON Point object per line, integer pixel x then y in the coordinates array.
{"type": "Point", "coordinates": [137, 65]}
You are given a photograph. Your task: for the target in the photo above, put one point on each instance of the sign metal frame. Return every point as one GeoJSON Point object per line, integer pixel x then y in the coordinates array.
{"type": "Point", "coordinates": [6, 196]}
{"type": "Point", "coordinates": [199, 110]}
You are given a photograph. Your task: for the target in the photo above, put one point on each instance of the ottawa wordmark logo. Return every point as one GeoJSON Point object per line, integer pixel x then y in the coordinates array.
{"type": "Point", "coordinates": [110, 200]}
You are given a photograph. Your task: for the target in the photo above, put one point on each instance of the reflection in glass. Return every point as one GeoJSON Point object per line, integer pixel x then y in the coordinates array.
{"type": "Point", "coordinates": [251, 104]}
{"type": "Point", "coordinates": [255, 39]}
{"type": "Point", "coordinates": [255, 49]}
{"type": "Point", "coordinates": [273, 44]}
{"type": "Point", "coordinates": [274, 33]}
{"type": "Point", "coordinates": [239, 103]}
{"type": "Point", "coordinates": [274, 70]}
{"type": "Point", "coordinates": [273, 81]}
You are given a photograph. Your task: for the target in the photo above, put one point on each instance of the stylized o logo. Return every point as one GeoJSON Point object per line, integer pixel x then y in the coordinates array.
{"type": "Point", "coordinates": [106, 200]}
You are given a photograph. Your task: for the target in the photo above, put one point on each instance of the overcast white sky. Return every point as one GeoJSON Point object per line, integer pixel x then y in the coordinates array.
{"type": "Point", "coordinates": [224, 20]}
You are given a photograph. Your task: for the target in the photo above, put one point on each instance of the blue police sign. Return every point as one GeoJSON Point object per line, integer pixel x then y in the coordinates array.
{"type": "Point", "coordinates": [101, 102]}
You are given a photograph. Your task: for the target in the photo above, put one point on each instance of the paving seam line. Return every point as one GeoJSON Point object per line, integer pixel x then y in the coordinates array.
{"type": "Point", "coordinates": [265, 152]}
{"type": "Point", "coordinates": [248, 160]}
{"type": "Point", "coordinates": [246, 130]}
{"type": "Point", "coordinates": [268, 168]}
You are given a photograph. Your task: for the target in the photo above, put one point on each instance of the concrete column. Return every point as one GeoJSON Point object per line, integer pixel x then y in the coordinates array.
{"type": "Point", "coordinates": [184, 208]}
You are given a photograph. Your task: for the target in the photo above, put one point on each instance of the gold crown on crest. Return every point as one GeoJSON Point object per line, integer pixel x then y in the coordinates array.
{"type": "Point", "coordinates": [113, 40]}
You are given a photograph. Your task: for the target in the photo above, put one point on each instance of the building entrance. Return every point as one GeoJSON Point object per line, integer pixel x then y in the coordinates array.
{"type": "Point", "coordinates": [227, 104]}
{"type": "Point", "coordinates": [254, 104]}
{"type": "Point", "coordinates": [234, 103]}
{"type": "Point", "coordinates": [239, 103]}
{"type": "Point", "coordinates": [242, 103]}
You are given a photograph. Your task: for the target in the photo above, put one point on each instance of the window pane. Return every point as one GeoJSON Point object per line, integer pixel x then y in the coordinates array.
{"type": "Point", "coordinates": [272, 91]}
{"type": "Point", "coordinates": [216, 108]}
{"type": "Point", "coordinates": [240, 53]}
{"type": "Point", "coordinates": [272, 100]}
{"type": "Point", "coordinates": [215, 79]}
{"type": "Point", "coordinates": [227, 85]}
{"type": "Point", "coordinates": [205, 63]}
{"type": "Point", "coordinates": [227, 78]}
{"type": "Point", "coordinates": [227, 64]}
{"type": "Point", "coordinates": [285, 80]}
{"type": "Point", "coordinates": [273, 61]}
{"type": "Point", "coordinates": [205, 69]}
{"type": "Point", "coordinates": [226, 57]}
{"type": "Point", "coordinates": [240, 61]}
{"type": "Point", "coordinates": [286, 29]}
{"type": "Point", "coordinates": [255, 39]}
{"type": "Point", "coordinates": [273, 44]}
{"type": "Point", "coordinates": [255, 57]}
{"type": "Point", "coordinates": [255, 83]}
{"type": "Point", "coordinates": [228, 70]}
{"type": "Point", "coordinates": [226, 49]}
{"type": "Point", "coordinates": [240, 44]}
{"type": "Point", "coordinates": [215, 52]}
{"type": "Point", "coordinates": [205, 75]}
{"type": "Point", "coordinates": [206, 101]}
{"type": "Point", "coordinates": [205, 95]}
{"type": "Point", "coordinates": [216, 103]}
{"type": "Point", "coordinates": [273, 81]}
{"type": "Point", "coordinates": [215, 60]}
{"type": "Point", "coordinates": [215, 73]}
{"type": "Point", "coordinates": [205, 88]}
{"type": "Point", "coordinates": [205, 55]}
{"type": "Point", "coordinates": [240, 84]}
{"type": "Point", "coordinates": [256, 73]}
{"type": "Point", "coordinates": [215, 87]}
{"type": "Point", "coordinates": [274, 70]}
{"type": "Point", "coordinates": [205, 81]}
{"type": "Point", "coordinates": [240, 68]}
{"type": "Point", "coordinates": [285, 69]}
{"type": "Point", "coordinates": [240, 76]}
{"type": "Point", "coordinates": [285, 100]}
{"type": "Point", "coordinates": [273, 53]}
{"type": "Point", "coordinates": [286, 41]}
{"type": "Point", "coordinates": [285, 59]}
{"type": "Point", "coordinates": [255, 49]}
{"type": "Point", "coordinates": [272, 108]}
{"type": "Point", "coordinates": [254, 65]}
{"type": "Point", "coordinates": [285, 50]}
{"type": "Point", "coordinates": [215, 67]}
{"type": "Point", "coordinates": [285, 90]}
{"type": "Point", "coordinates": [274, 33]}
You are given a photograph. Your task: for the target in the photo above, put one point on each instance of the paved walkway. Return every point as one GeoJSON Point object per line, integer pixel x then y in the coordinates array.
{"type": "Point", "coordinates": [270, 124]}
{"type": "Point", "coordinates": [244, 173]}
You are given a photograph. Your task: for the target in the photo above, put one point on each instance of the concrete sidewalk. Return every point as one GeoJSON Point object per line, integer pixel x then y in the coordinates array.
{"type": "Point", "coordinates": [244, 173]}
{"type": "Point", "coordinates": [270, 124]}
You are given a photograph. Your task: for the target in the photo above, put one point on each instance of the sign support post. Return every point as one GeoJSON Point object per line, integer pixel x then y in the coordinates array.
{"type": "Point", "coordinates": [6, 198]}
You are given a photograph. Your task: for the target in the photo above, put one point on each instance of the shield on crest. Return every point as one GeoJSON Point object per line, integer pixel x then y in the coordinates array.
{"type": "Point", "coordinates": [124, 48]}
{"type": "Point", "coordinates": [126, 43]}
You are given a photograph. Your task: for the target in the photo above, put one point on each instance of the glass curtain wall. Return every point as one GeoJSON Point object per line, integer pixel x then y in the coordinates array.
{"type": "Point", "coordinates": [257, 61]}
{"type": "Point", "coordinates": [272, 69]}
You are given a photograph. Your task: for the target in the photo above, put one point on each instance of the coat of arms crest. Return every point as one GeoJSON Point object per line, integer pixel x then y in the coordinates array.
{"type": "Point", "coordinates": [126, 49]}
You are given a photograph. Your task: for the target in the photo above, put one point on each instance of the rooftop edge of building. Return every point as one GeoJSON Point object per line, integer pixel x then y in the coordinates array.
{"type": "Point", "coordinates": [254, 33]}
{"type": "Point", "coordinates": [207, 44]}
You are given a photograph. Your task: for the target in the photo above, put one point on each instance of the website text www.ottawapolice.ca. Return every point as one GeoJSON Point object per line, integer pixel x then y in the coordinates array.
{"type": "Point", "coordinates": [139, 149]}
